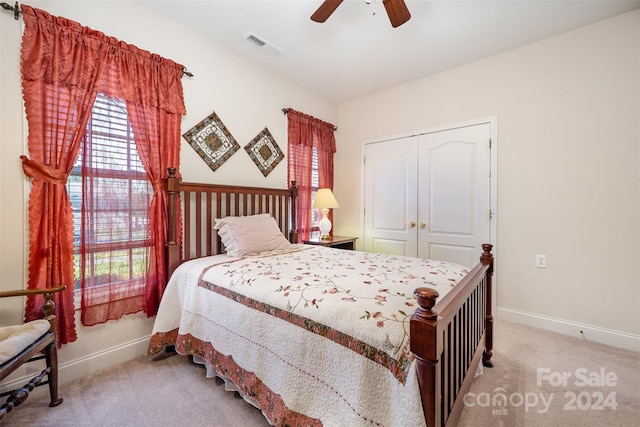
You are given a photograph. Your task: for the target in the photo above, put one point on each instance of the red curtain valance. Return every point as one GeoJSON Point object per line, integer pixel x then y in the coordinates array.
{"type": "Point", "coordinates": [72, 55]}
{"type": "Point", "coordinates": [310, 131]}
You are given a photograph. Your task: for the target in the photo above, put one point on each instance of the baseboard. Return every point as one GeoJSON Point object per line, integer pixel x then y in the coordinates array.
{"type": "Point", "coordinates": [592, 333]}
{"type": "Point", "coordinates": [78, 368]}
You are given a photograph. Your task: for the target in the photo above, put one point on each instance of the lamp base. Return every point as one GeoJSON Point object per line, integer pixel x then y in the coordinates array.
{"type": "Point", "coordinates": [325, 224]}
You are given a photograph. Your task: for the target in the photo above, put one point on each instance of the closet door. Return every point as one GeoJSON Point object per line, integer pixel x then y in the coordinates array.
{"type": "Point", "coordinates": [390, 209]}
{"type": "Point", "coordinates": [454, 194]}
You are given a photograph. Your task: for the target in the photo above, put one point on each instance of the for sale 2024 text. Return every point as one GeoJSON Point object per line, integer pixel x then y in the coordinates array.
{"type": "Point", "coordinates": [592, 399]}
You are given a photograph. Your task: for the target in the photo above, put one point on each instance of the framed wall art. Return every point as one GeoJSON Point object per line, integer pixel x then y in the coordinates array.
{"type": "Point", "coordinates": [212, 141]}
{"type": "Point", "coordinates": [264, 152]}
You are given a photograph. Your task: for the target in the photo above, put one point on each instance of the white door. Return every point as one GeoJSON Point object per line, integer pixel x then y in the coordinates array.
{"type": "Point", "coordinates": [454, 194]}
{"type": "Point", "coordinates": [429, 195]}
{"type": "Point", "coordinates": [390, 216]}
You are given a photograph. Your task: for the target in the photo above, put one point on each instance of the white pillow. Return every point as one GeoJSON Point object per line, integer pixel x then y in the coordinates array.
{"type": "Point", "coordinates": [245, 235]}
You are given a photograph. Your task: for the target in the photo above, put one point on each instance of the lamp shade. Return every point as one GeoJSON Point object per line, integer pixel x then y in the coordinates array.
{"type": "Point", "coordinates": [325, 199]}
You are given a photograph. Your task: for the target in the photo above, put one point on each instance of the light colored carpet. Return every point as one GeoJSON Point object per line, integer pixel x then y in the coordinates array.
{"type": "Point", "coordinates": [174, 391]}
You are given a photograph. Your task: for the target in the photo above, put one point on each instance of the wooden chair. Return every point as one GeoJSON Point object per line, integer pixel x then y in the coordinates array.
{"type": "Point", "coordinates": [25, 343]}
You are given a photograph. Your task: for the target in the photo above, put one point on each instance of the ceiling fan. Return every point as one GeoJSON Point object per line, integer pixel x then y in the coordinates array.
{"type": "Point", "coordinates": [396, 9]}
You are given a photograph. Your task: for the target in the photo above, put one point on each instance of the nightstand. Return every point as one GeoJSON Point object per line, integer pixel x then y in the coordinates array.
{"type": "Point", "coordinates": [339, 242]}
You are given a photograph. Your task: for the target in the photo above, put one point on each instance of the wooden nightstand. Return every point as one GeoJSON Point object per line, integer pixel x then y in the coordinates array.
{"type": "Point", "coordinates": [340, 242]}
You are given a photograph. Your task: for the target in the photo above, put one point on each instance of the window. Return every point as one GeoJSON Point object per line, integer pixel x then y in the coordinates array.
{"type": "Point", "coordinates": [311, 147]}
{"type": "Point", "coordinates": [109, 179]}
{"type": "Point", "coordinates": [316, 215]}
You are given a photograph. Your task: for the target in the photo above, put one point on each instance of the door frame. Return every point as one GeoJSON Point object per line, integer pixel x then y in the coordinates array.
{"type": "Point", "coordinates": [493, 168]}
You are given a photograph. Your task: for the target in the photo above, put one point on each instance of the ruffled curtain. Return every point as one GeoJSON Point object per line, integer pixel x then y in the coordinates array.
{"type": "Point", "coordinates": [305, 133]}
{"type": "Point", "coordinates": [64, 66]}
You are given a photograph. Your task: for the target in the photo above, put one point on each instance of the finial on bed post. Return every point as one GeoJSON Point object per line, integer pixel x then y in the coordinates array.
{"type": "Point", "coordinates": [487, 257]}
{"type": "Point", "coordinates": [426, 300]}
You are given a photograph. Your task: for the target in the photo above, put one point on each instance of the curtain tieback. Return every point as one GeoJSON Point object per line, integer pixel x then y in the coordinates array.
{"type": "Point", "coordinates": [37, 170]}
{"type": "Point", "coordinates": [157, 185]}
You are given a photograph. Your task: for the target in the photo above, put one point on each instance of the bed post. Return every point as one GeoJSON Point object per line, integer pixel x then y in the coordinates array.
{"type": "Point", "coordinates": [293, 233]}
{"type": "Point", "coordinates": [487, 259]}
{"type": "Point", "coordinates": [172, 247]}
{"type": "Point", "coordinates": [423, 333]}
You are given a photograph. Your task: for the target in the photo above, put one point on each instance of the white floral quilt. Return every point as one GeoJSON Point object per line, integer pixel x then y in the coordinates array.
{"type": "Point", "coordinates": [314, 335]}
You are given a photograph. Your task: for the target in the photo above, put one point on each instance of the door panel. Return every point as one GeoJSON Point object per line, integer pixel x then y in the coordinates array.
{"type": "Point", "coordinates": [389, 246]}
{"type": "Point", "coordinates": [463, 255]}
{"type": "Point", "coordinates": [454, 196]}
{"type": "Point", "coordinates": [450, 187]}
{"type": "Point", "coordinates": [390, 174]}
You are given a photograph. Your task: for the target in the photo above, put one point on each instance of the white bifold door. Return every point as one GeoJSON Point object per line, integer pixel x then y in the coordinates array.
{"type": "Point", "coordinates": [428, 195]}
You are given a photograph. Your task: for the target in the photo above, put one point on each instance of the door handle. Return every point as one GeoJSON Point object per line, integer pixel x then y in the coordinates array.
{"type": "Point", "coordinates": [412, 224]}
{"type": "Point", "coordinates": [424, 226]}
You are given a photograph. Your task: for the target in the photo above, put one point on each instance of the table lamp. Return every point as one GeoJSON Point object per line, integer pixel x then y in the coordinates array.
{"type": "Point", "coordinates": [324, 201]}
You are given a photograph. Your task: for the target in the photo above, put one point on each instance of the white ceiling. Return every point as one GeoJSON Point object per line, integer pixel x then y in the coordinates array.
{"type": "Point", "coordinates": [357, 52]}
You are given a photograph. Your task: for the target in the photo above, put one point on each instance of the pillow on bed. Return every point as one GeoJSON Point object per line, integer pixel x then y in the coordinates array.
{"type": "Point", "coordinates": [244, 235]}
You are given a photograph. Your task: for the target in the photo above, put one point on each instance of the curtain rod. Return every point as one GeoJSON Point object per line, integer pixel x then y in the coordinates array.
{"type": "Point", "coordinates": [286, 110]}
{"type": "Point", "coordinates": [15, 9]}
{"type": "Point", "coordinates": [16, 15]}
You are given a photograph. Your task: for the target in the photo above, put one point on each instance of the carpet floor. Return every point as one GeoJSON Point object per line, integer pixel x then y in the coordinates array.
{"type": "Point", "coordinates": [539, 379]}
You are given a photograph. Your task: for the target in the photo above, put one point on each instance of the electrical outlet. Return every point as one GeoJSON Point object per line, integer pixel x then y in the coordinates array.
{"type": "Point", "coordinates": [541, 261]}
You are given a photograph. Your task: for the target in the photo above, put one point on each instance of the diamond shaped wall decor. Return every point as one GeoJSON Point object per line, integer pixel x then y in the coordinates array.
{"type": "Point", "coordinates": [212, 141]}
{"type": "Point", "coordinates": [264, 152]}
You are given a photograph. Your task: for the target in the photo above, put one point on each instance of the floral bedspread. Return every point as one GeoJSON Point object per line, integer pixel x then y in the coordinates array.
{"type": "Point", "coordinates": [325, 330]}
{"type": "Point", "coordinates": [361, 300]}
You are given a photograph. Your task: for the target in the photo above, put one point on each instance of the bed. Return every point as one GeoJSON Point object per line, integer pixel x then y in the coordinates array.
{"type": "Point", "coordinates": [314, 335]}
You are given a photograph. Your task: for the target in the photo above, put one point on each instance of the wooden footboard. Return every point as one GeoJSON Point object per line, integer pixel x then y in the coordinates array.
{"type": "Point", "coordinates": [450, 339]}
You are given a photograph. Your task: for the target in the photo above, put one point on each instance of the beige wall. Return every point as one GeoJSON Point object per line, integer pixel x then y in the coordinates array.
{"type": "Point", "coordinates": [568, 184]}
{"type": "Point", "coordinates": [247, 98]}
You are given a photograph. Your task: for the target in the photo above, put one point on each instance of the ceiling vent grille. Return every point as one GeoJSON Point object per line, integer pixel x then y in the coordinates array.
{"type": "Point", "coordinates": [262, 44]}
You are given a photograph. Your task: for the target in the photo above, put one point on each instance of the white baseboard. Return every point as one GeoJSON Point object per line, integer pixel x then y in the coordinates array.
{"type": "Point", "coordinates": [574, 329]}
{"type": "Point", "coordinates": [78, 368]}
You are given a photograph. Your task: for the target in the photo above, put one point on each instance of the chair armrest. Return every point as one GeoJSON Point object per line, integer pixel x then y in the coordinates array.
{"type": "Point", "coordinates": [47, 308]}
{"type": "Point", "coordinates": [25, 292]}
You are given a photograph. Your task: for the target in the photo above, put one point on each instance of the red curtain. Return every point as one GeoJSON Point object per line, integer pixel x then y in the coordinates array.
{"type": "Point", "coordinates": [64, 65]}
{"type": "Point", "coordinates": [157, 135]}
{"type": "Point", "coordinates": [305, 133]}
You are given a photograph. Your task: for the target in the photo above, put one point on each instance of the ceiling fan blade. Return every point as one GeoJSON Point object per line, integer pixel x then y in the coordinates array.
{"type": "Point", "coordinates": [397, 11]}
{"type": "Point", "coordinates": [325, 10]}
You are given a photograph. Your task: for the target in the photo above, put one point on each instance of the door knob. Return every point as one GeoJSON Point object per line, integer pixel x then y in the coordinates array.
{"type": "Point", "coordinates": [412, 224]}
{"type": "Point", "coordinates": [423, 225]}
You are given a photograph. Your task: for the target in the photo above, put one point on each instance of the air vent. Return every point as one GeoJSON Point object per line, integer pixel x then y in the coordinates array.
{"type": "Point", "coordinates": [262, 44]}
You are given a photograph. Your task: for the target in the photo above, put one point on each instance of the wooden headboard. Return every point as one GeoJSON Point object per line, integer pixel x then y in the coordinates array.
{"type": "Point", "coordinates": [203, 203]}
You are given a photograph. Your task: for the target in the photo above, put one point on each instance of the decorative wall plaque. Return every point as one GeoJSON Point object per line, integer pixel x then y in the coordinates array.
{"type": "Point", "coordinates": [212, 141]}
{"type": "Point", "coordinates": [264, 152]}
